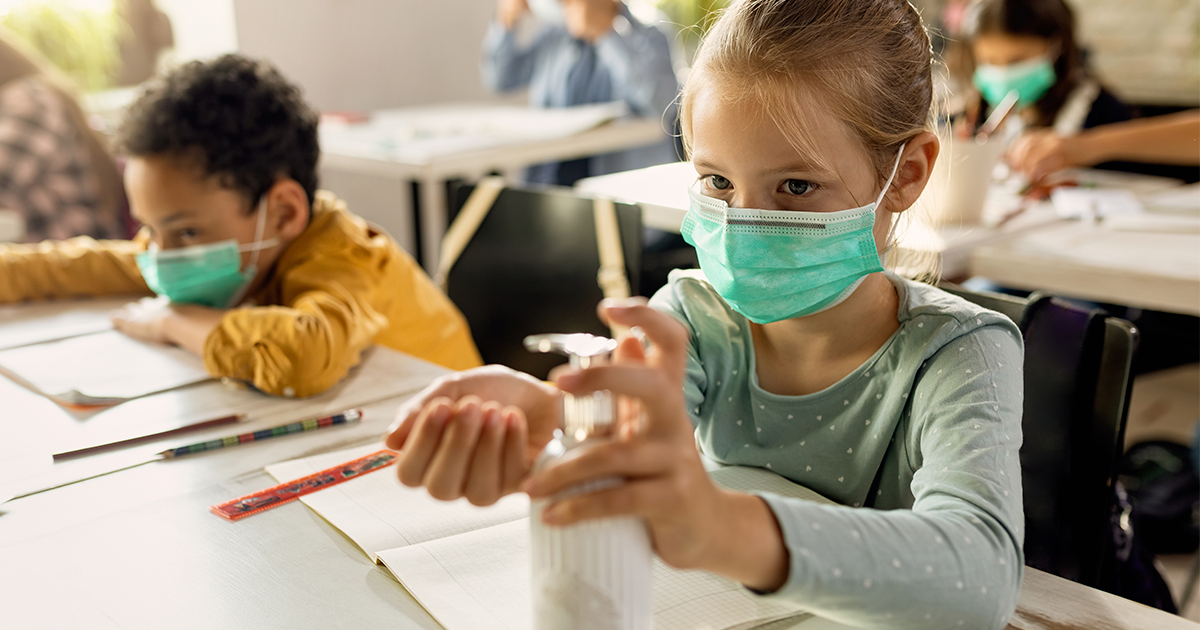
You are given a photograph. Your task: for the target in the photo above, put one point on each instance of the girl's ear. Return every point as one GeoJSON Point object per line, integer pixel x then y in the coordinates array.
{"type": "Point", "coordinates": [916, 164]}
{"type": "Point", "coordinates": [288, 208]}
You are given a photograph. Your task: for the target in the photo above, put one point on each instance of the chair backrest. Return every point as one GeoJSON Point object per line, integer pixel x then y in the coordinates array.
{"type": "Point", "coordinates": [531, 268]}
{"type": "Point", "coordinates": [1078, 370]}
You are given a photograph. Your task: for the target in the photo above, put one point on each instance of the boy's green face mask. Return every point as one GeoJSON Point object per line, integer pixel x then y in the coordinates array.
{"type": "Point", "coordinates": [207, 275]}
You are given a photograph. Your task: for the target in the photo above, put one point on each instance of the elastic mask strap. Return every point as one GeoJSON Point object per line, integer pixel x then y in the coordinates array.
{"type": "Point", "coordinates": [895, 168]}
{"type": "Point", "coordinates": [258, 245]}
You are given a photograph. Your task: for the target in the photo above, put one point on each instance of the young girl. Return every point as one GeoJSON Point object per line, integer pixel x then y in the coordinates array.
{"type": "Point", "coordinates": [1029, 46]}
{"type": "Point", "coordinates": [797, 353]}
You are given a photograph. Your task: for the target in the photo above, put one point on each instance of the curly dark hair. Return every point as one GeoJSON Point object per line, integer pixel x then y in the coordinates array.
{"type": "Point", "coordinates": [239, 118]}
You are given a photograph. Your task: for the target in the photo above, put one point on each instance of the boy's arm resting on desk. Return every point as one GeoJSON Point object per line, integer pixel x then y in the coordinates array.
{"type": "Point", "coordinates": [78, 267]}
{"type": "Point", "coordinates": [954, 560]}
{"type": "Point", "coordinates": [303, 348]}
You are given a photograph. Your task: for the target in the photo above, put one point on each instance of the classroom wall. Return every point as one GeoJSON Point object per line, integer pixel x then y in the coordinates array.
{"type": "Point", "coordinates": [370, 54]}
{"type": "Point", "coordinates": [1148, 50]}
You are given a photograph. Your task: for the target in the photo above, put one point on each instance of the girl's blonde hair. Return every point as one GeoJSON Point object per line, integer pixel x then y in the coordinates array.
{"type": "Point", "coordinates": [869, 61]}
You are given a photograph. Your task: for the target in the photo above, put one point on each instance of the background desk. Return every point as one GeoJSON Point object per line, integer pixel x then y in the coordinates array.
{"type": "Point", "coordinates": [139, 548]}
{"type": "Point", "coordinates": [373, 165]}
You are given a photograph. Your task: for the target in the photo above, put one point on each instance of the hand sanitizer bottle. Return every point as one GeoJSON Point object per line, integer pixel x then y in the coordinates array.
{"type": "Point", "coordinates": [593, 575]}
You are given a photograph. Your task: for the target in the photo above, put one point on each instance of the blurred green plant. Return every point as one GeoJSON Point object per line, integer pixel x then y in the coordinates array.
{"type": "Point", "coordinates": [80, 39]}
{"type": "Point", "coordinates": [692, 16]}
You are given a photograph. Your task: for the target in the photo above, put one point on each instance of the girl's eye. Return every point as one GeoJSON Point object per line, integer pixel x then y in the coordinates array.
{"type": "Point", "coordinates": [718, 182]}
{"type": "Point", "coordinates": [187, 233]}
{"type": "Point", "coordinates": [798, 186]}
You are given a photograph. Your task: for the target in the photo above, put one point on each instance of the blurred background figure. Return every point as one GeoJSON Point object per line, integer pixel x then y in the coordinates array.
{"type": "Point", "coordinates": [586, 51]}
{"type": "Point", "coordinates": [56, 173]}
{"type": "Point", "coordinates": [1030, 46]}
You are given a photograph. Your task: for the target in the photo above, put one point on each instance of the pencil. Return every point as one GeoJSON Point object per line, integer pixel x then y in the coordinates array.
{"type": "Point", "coordinates": [312, 424]}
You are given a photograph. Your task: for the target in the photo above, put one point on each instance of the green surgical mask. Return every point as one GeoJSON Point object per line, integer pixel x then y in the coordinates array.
{"type": "Point", "coordinates": [771, 265]}
{"type": "Point", "coordinates": [208, 275]}
{"type": "Point", "coordinates": [1031, 79]}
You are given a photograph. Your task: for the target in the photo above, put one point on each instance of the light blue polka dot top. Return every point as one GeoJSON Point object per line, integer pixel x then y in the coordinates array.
{"type": "Point", "coordinates": [919, 444]}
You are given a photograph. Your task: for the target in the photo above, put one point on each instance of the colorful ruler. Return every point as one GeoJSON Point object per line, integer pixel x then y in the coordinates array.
{"type": "Point", "coordinates": [292, 490]}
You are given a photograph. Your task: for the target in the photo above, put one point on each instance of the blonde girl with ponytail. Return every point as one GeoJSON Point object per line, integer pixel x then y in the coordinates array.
{"type": "Point", "coordinates": [791, 350]}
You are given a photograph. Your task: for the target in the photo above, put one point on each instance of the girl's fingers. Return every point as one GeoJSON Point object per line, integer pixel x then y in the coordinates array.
{"type": "Point", "coordinates": [413, 408]}
{"type": "Point", "coordinates": [661, 396]}
{"type": "Point", "coordinates": [668, 336]}
{"type": "Point", "coordinates": [447, 471]}
{"type": "Point", "coordinates": [516, 444]}
{"type": "Point", "coordinates": [630, 498]}
{"type": "Point", "coordinates": [608, 459]}
{"type": "Point", "coordinates": [486, 474]}
{"type": "Point", "coordinates": [426, 435]}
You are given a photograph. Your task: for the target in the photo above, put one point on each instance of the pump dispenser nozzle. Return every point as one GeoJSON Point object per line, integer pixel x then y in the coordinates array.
{"type": "Point", "coordinates": [584, 416]}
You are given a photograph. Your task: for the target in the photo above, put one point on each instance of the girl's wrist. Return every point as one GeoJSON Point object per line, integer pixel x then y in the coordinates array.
{"type": "Point", "coordinates": [749, 543]}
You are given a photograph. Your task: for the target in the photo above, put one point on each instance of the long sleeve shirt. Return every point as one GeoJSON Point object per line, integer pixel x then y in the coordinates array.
{"type": "Point", "coordinates": [919, 445]}
{"type": "Point", "coordinates": [338, 288]}
{"type": "Point", "coordinates": [631, 63]}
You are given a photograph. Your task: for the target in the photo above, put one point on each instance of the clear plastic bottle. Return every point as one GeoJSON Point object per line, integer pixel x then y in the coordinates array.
{"type": "Point", "coordinates": [593, 575]}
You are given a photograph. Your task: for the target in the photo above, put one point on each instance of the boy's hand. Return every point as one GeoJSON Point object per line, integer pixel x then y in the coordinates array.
{"type": "Point", "coordinates": [692, 522]}
{"type": "Point", "coordinates": [144, 319]}
{"type": "Point", "coordinates": [474, 434]}
{"type": "Point", "coordinates": [509, 11]}
{"type": "Point", "coordinates": [157, 320]}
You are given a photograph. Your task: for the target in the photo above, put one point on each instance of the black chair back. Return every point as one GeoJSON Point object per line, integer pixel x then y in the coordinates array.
{"type": "Point", "coordinates": [531, 268]}
{"type": "Point", "coordinates": [1077, 377]}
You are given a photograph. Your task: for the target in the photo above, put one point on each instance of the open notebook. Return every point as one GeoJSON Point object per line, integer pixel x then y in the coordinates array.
{"type": "Point", "coordinates": [469, 566]}
{"type": "Point", "coordinates": [101, 368]}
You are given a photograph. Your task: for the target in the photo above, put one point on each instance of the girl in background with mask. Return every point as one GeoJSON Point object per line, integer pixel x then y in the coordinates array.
{"type": "Point", "coordinates": [791, 350]}
{"type": "Point", "coordinates": [1029, 46]}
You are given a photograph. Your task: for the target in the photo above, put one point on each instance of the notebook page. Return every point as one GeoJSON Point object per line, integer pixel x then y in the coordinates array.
{"type": "Point", "coordinates": [25, 324]}
{"type": "Point", "coordinates": [102, 368]}
{"type": "Point", "coordinates": [481, 579]}
{"type": "Point", "coordinates": [377, 512]}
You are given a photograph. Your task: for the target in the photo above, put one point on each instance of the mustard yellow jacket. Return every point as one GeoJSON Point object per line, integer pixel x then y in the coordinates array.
{"type": "Point", "coordinates": [338, 288]}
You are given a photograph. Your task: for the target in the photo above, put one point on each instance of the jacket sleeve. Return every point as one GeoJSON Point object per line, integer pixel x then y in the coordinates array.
{"type": "Point", "coordinates": [327, 318]}
{"type": "Point", "coordinates": [506, 64]}
{"type": "Point", "coordinates": [955, 559]}
{"type": "Point", "coordinates": [639, 57]}
{"type": "Point", "coordinates": [78, 267]}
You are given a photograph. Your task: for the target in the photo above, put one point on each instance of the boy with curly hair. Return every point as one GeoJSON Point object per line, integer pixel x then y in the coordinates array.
{"type": "Point", "coordinates": [271, 281]}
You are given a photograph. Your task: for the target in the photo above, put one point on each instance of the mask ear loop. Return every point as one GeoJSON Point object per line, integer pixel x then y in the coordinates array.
{"type": "Point", "coordinates": [895, 169]}
{"type": "Point", "coordinates": [252, 269]}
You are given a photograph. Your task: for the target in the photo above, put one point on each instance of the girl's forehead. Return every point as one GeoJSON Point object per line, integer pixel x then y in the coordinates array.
{"type": "Point", "coordinates": [787, 126]}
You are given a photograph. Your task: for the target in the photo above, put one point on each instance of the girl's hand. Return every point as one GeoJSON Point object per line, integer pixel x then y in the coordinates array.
{"type": "Point", "coordinates": [474, 434]}
{"type": "Point", "coordinates": [145, 319]}
{"type": "Point", "coordinates": [692, 523]}
{"type": "Point", "coordinates": [1040, 153]}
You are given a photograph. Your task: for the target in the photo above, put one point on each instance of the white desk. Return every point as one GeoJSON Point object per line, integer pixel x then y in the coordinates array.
{"type": "Point", "coordinates": [662, 193]}
{"type": "Point", "coordinates": [432, 144]}
{"type": "Point", "coordinates": [139, 548]}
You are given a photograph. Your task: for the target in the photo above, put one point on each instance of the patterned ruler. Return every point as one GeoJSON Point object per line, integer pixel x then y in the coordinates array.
{"type": "Point", "coordinates": [292, 490]}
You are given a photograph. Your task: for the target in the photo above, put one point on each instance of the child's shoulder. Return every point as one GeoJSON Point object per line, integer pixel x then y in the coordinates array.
{"type": "Point", "coordinates": [688, 296]}
{"type": "Point", "coordinates": [335, 235]}
{"type": "Point", "coordinates": [938, 317]}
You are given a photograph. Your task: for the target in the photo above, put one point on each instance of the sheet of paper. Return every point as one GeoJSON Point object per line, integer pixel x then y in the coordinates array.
{"type": "Point", "coordinates": [1072, 203]}
{"type": "Point", "coordinates": [481, 579]}
{"type": "Point", "coordinates": [27, 324]}
{"type": "Point", "coordinates": [377, 512]}
{"type": "Point", "coordinates": [101, 368]}
{"type": "Point", "coordinates": [1179, 200]}
{"type": "Point", "coordinates": [419, 135]}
